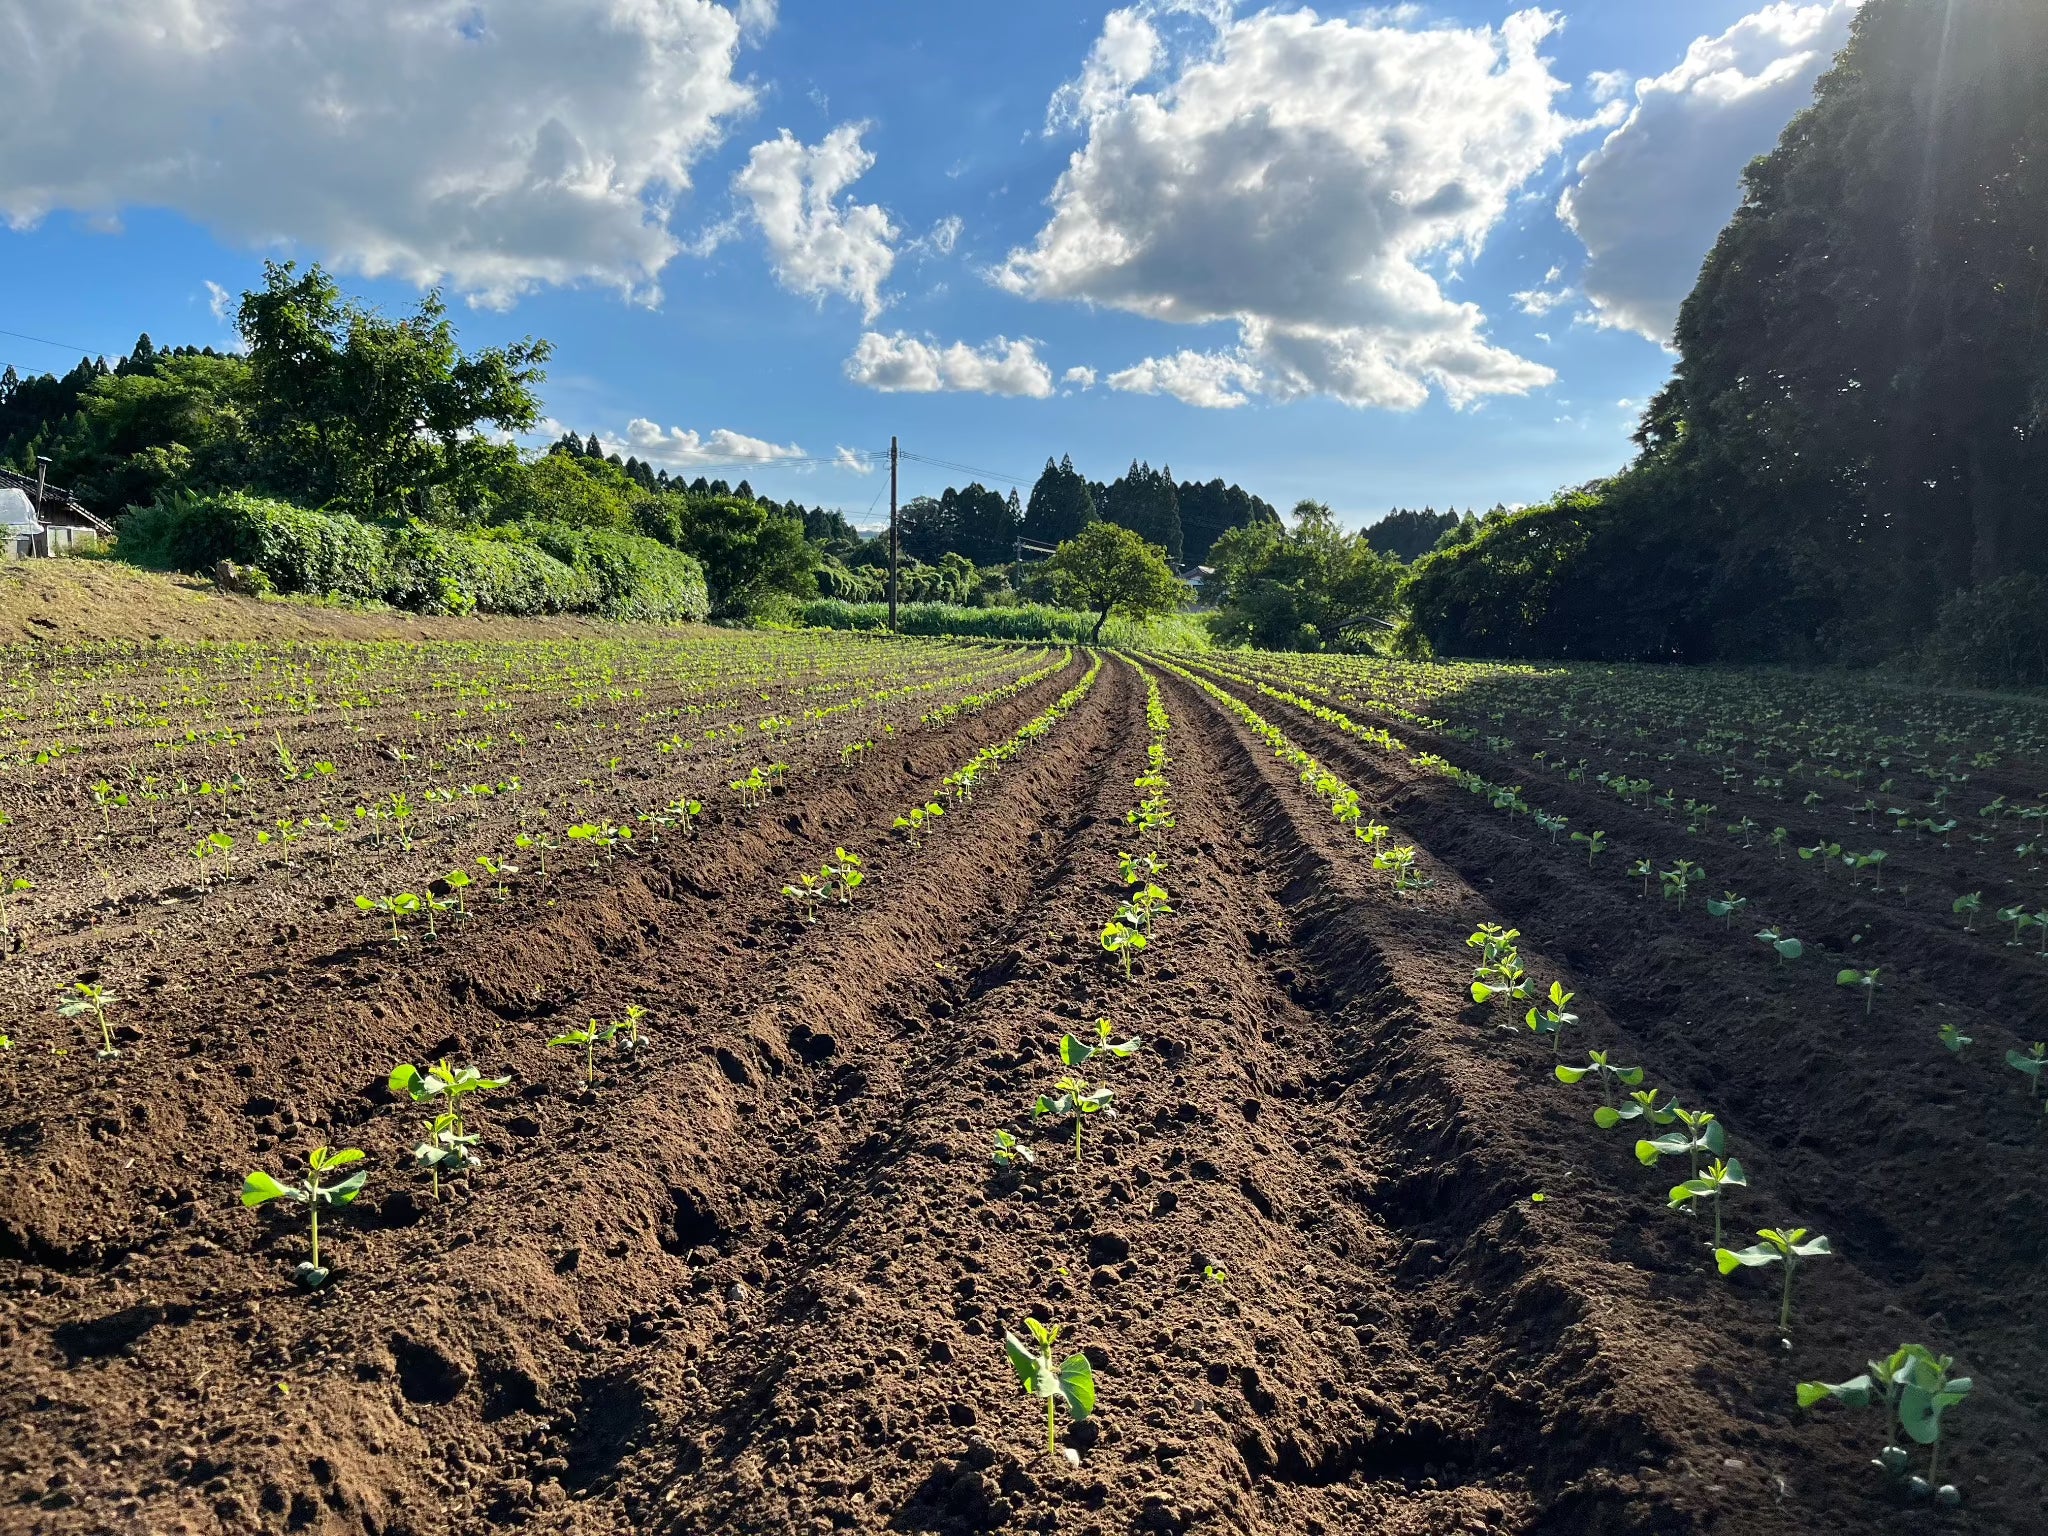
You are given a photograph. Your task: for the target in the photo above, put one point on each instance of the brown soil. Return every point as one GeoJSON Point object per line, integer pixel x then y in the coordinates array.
{"type": "Point", "coordinates": [757, 1278]}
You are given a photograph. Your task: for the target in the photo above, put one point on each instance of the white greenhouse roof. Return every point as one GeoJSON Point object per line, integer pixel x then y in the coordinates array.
{"type": "Point", "coordinates": [16, 510]}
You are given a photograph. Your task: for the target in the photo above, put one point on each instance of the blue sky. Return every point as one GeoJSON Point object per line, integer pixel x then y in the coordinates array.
{"type": "Point", "coordinates": [1378, 257]}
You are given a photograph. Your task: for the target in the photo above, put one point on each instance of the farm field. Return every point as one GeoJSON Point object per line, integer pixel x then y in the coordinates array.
{"type": "Point", "coordinates": [773, 940]}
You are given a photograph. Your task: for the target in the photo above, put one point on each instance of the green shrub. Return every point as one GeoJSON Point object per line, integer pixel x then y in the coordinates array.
{"type": "Point", "coordinates": [298, 550]}
{"type": "Point", "coordinates": [1994, 636]}
{"type": "Point", "coordinates": [636, 577]}
{"type": "Point", "coordinates": [434, 570]}
{"type": "Point", "coordinates": [1021, 621]}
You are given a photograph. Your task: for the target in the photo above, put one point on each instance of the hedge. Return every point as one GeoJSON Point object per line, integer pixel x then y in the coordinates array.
{"type": "Point", "coordinates": [536, 569]}
{"type": "Point", "coordinates": [1021, 621]}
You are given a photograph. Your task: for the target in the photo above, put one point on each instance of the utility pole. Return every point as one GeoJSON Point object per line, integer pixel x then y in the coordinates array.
{"type": "Point", "coordinates": [892, 532]}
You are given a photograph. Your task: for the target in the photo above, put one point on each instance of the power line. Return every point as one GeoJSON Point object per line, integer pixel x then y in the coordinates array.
{"type": "Point", "coordinates": [61, 346]}
{"type": "Point", "coordinates": [969, 469]}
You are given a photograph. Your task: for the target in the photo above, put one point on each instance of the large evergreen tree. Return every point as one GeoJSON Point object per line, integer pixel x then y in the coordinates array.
{"type": "Point", "coordinates": [1060, 505]}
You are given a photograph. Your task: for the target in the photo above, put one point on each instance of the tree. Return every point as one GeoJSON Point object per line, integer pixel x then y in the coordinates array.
{"type": "Point", "coordinates": [370, 413]}
{"type": "Point", "coordinates": [750, 553]}
{"type": "Point", "coordinates": [1410, 535]}
{"type": "Point", "coordinates": [1060, 505]}
{"type": "Point", "coordinates": [1109, 569]}
{"type": "Point", "coordinates": [1313, 587]}
{"type": "Point", "coordinates": [1146, 501]}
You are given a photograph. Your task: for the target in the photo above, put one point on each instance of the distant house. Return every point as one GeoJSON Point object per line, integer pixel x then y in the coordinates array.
{"type": "Point", "coordinates": [38, 521]}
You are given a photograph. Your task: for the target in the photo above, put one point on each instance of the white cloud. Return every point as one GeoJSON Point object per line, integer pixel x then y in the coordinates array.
{"type": "Point", "coordinates": [1651, 200]}
{"type": "Point", "coordinates": [1078, 378]}
{"type": "Point", "coordinates": [1302, 178]}
{"type": "Point", "coordinates": [941, 238]}
{"type": "Point", "coordinates": [903, 364]}
{"type": "Point", "coordinates": [1609, 84]}
{"type": "Point", "coordinates": [220, 302]}
{"type": "Point", "coordinates": [675, 448]}
{"type": "Point", "coordinates": [1215, 380]}
{"type": "Point", "coordinates": [852, 460]}
{"type": "Point", "coordinates": [819, 244]}
{"type": "Point", "coordinates": [495, 148]}
{"type": "Point", "coordinates": [1541, 301]}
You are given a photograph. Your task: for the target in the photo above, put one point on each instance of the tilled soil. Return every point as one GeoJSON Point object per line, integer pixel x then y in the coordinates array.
{"type": "Point", "coordinates": [757, 1277]}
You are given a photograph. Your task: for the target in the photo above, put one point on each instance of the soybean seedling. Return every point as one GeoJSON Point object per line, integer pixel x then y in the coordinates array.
{"type": "Point", "coordinates": [1550, 1018]}
{"type": "Point", "coordinates": [1120, 939]}
{"type": "Point", "coordinates": [2032, 1062]}
{"type": "Point", "coordinates": [541, 846]}
{"type": "Point", "coordinates": [1078, 1053]}
{"type": "Point", "coordinates": [1596, 843]}
{"type": "Point", "coordinates": [1720, 1177]}
{"type": "Point", "coordinates": [441, 1083]}
{"type": "Point", "coordinates": [1726, 906]}
{"type": "Point", "coordinates": [589, 1037]}
{"type": "Point", "coordinates": [1849, 976]}
{"type": "Point", "coordinates": [1790, 1248]}
{"type": "Point", "coordinates": [629, 1028]}
{"type": "Point", "coordinates": [447, 1147]}
{"type": "Point", "coordinates": [1598, 1066]}
{"type": "Point", "coordinates": [842, 874]}
{"type": "Point", "coordinates": [1073, 1096]}
{"type": "Point", "coordinates": [1788, 949]}
{"type": "Point", "coordinates": [1071, 1381]}
{"type": "Point", "coordinates": [1139, 910]}
{"type": "Point", "coordinates": [1493, 943]}
{"type": "Point", "coordinates": [1010, 1154]}
{"type": "Point", "coordinates": [1139, 869]}
{"type": "Point", "coordinates": [1509, 980]}
{"type": "Point", "coordinates": [914, 823]}
{"type": "Point", "coordinates": [1680, 878]}
{"type": "Point", "coordinates": [93, 998]}
{"type": "Point", "coordinates": [259, 1187]}
{"type": "Point", "coordinates": [806, 894]}
{"type": "Point", "coordinates": [1954, 1039]}
{"type": "Point", "coordinates": [1915, 1385]}
{"type": "Point", "coordinates": [1642, 1105]}
{"type": "Point", "coordinates": [1646, 869]}
{"type": "Point", "coordinates": [1967, 907]}
{"type": "Point", "coordinates": [2017, 916]}
{"type": "Point", "coordinates": [1702, 1133]}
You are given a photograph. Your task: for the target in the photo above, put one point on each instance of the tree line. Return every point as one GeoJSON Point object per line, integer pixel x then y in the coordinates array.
{"type": "Point", "coordinates": [1850, 460]}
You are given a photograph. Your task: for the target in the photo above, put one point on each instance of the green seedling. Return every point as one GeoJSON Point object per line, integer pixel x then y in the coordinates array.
{"type": "Point", "coordinates": [1550, 1018]}
{"type": "Point", "coordinates": [1954, 1039]}
{"type": "Point", "coordinates": [915, 824]}
{"type": "Point", "coordinates": [1120, 939]}
{"type": "Point", "coordinates": [1914, 1384]}
{"type": "Point", "coordinates": [1010, 1154]}
{"type": "Point", "coordinates": [259, 1187]}
{"type": "Point", "coordinates": [1493, 943]}
{"type": "Point", "coordinates": [1711, 1185]}
{"type": "Point", "coordinates": [1849, 976]}
{"type": "Point", "coordinates": [1073, 1096]}
{"type": "Point", "coordinates": [1646, 869]}
{"type": "Point", "coordinates": [1642, 1105]}
{"type": "Point", "coordinates": [457, 882]}
{"type": "Point", "coordinates": [1788, 949]}
{"type": "Point", "coordinates": [90, 997]}
{"type": "Point", "coordinates": [1552, 824]}
{"type": "Point", "coordinates": [214, 848]}
{"type": "Point", "coordinates": [1596, 843]}
{"type": "Point", "coordinates": [1402, 862]}
{"type": "Point", "coordinates": [1827, 853]}
{"type": "Point", "coordinates": [1597, 1066]}
{"type": "Point", "coordinates": [1508, 980]}
{"type": "Point", "coordinates": [1071, 1381]}
{"type": "Point", "coordinates": [404, 904]}
{"type": "Point", "coordinates": [1702, 1133]}
{"type": "Point", "coordinates": [625, 1033]}
{"type": "Point", "coordinates": [1216, 1274]}
{"type": "Point", "coordinates": [442, 1084]}
{"type": "Point", "coordinates": [843, 874]}
{"type": "Point", "coordinates": [541, 847]}
{"type": "Point", "coordinates": [1078, 1053]}
{"type": "Point", "coordinates": [1726, 906]}
{"type": "Point", "coordinates": [806, 895]}
{"type": "Point", "coordinates": [590, 1037]}
{"type": "Point", "coordinates": [448, 1148]}
{"type": "Point", "coordinates": [1680, 878]}
{"type": "Point", "coordinates": [1967, 907]}
{"type": "Point", "coordinates": [13, 887]}
{"type": "Point", "coordinates": [1138, 911]}
{"type": "Point", "coordinates": [1790, 1248]}
{"type": "Point", "coordinates": [2033, 1063]}
{"type": "Point", "coordinates": [1139, 869]}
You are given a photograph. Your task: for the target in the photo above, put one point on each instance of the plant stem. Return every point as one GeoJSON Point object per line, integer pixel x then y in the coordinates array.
{"type": "Point", "coordinates": [1785, 1311]}
{"type": "Point", "coordinates": [313, 1209]}
{"type": "Point", "coordinates": [1051, 1405]}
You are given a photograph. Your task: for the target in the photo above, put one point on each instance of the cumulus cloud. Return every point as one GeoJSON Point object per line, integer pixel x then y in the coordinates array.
{"type": "Point", "coordinates": [819, 245]}
{"type": "Point", "coordinates": [1651, 200]}
{"type": "Point", "coordinates": [220, 302]}
{"type": "Point", "coordinates": [1302, 178]}
{"type": "Point", "coordinates": [495, 148]}
{"type": "Point", "coordinates": [1541, 301]}
{"type": "Point", "coordinates": [1078, 378]}
{"type": "Point", "coordinates": [1609, 84]}
{"type": "Point", "coordinates": [1126, 53]}
{"type": "Point", "coordinates": [676, 448]}
{"type": "Point", "coordinates": [1214, 380]}
{"type": "Point", "coordinates": [904, 364]}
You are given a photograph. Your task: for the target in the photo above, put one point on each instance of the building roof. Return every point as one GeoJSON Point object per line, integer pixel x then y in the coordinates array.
{"type": "Point", "coordinates": [57, 506]}
{"type": "Point", "coordinates": [16, 510]}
